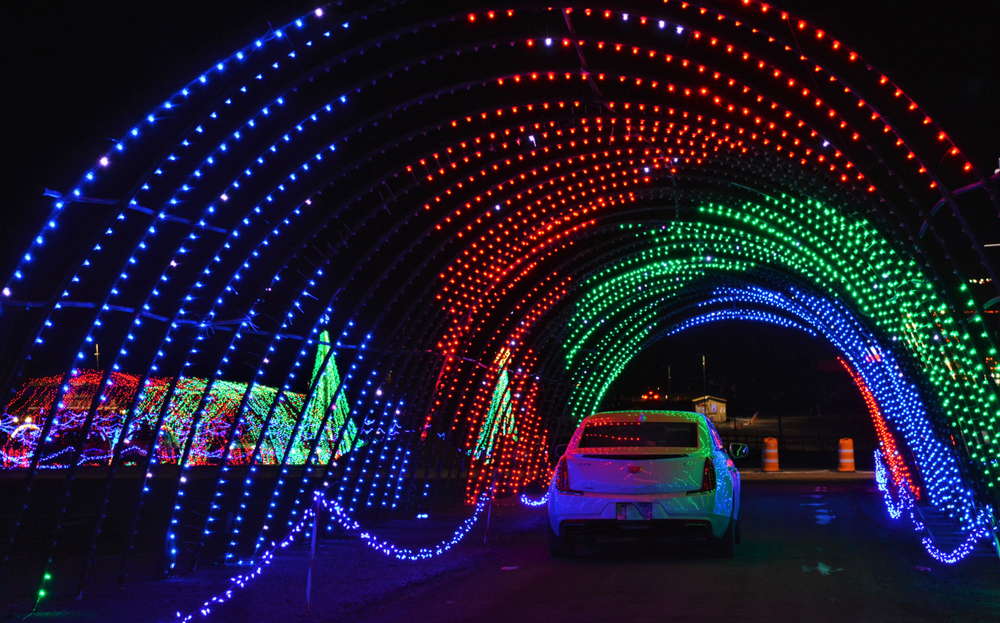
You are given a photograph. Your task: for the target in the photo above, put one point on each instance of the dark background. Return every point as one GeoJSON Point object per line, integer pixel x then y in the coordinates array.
{"type": "Point", "coordinates": [754, 366]}
{"type": "Point", "coordinates": [76, 75]}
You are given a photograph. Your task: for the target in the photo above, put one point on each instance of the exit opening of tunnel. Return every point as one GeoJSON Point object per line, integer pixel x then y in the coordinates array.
{"type": "Point", "coordinates": [777, 382]}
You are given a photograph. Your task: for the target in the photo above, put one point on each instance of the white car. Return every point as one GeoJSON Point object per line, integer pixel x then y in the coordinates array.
{"type": "Point", "coordinates": [661, 474]}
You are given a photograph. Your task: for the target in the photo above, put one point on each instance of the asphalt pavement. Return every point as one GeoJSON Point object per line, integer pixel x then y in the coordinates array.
{"type": "Point", "coordinates": [816, 549]}
{"type": "Point", "coordinates": [817, 546]}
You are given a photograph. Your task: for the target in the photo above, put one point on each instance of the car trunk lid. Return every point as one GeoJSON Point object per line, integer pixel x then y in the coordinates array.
{"type": "Point", "coordinates": [629, 472]}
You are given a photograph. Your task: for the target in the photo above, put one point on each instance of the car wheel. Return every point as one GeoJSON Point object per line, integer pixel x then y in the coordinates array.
{"type": "Point", "coordinates": [726, 545]}
{"type": "Point", "coordinates": [559, 547]}
{"type": "Point", "coordinates": [738, 531]}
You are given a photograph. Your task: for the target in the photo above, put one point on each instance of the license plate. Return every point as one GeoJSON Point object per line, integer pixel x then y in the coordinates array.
{"type": "Point", "coordinates": [640, 511]}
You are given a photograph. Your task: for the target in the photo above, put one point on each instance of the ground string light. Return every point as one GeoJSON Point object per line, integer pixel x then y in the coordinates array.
{"type": "Point", "coordinates": [343, 518]}
{"type": "Point", "coordinates": [906, 502]}
{"type": "Point", "coordinates": [529, 502]}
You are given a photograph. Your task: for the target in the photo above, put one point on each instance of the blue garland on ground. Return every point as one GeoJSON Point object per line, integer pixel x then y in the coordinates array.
{"type": "Point", "coordinates": [341, 517]}
{"type": "Point", "coordinates": [900, 500]}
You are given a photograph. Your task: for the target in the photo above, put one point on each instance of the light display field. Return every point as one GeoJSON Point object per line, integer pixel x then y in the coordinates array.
{"type": "Point", "coordinates": [406, 259]}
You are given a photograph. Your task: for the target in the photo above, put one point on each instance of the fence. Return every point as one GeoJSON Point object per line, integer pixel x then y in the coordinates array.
{"type": "Point", "coordinates": [817, 443]}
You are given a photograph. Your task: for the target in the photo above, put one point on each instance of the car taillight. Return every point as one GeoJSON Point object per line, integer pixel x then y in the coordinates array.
{"type": "Point", "coordinates": [707, 478]}
{"type": "Point", "coordinates": [562, 479]}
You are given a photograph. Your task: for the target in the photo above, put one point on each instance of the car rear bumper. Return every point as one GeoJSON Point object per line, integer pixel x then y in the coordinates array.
{"type": "Point", "coordinates": [612, 529]}
{"type": "Point", "coordinates": [673, 515]}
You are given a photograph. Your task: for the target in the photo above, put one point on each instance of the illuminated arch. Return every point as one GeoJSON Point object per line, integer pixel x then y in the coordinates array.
{"type": "Point", "coordinates": [491, 184]}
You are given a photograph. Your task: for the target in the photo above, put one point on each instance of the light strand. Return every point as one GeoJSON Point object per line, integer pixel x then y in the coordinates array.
{"type": "Point", "coordinates": [529, 502]}
{"type": "Point", "coordinates": [341, 517]}
{"type": "Point", "coordinates": [906, 502]}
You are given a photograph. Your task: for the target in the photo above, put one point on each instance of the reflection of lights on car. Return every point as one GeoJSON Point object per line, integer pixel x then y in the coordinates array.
{"type": "Point", "coordinates": [660, 474]}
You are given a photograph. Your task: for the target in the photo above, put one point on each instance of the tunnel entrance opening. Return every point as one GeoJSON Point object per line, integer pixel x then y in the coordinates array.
{"type": "Point", "coordinates": [386, 262]}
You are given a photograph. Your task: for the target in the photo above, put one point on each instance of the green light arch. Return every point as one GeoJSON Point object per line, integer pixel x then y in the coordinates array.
{"type": "Point", "coordinates": [622, 306]}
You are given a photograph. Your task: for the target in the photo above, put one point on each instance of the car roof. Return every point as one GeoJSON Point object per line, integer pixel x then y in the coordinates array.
{"type": "Point", "coordinates": [646, 415]}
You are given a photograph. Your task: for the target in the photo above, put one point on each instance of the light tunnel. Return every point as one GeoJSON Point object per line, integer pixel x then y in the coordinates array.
{"type": "Point", "coordinates": [389, 251]}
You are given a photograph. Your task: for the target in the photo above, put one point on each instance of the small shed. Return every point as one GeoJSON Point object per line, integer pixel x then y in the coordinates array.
{"type": "Point", "coordinates": [714, 408]}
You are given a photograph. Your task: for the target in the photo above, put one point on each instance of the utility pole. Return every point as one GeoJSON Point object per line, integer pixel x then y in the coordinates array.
{"type": "Point", "coordinates": [668, 381]}
{"type": "Point", "coordinates": [97, 356]}
{"type": "Point", "coordinates": [704, 378]}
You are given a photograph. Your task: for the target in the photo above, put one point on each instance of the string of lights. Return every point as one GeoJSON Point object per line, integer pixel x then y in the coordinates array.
{"type": "Point", "coordinates": [340, 516]}
{"type": "Point", "coordinates": [890, 452]}
{"type": "Point", "coordinates": [529, 502]}
{"type": "Point", "coordinates": [898, 499]}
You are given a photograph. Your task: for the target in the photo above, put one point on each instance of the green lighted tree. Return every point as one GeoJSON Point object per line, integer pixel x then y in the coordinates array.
{"type": "Point", "coordinates": [327, 397]}
{"type": "Point", "coordinates": [499, 420]}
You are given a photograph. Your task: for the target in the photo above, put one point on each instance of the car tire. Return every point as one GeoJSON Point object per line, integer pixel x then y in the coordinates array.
{"type": "Point", "coordinates": [725, 547]}
{"type": "Point", "coordinates": [559, 547]}
{"type": "Point", "coordinates": [738, 531]}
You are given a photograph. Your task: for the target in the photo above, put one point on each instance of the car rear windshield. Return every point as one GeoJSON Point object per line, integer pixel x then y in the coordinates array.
{"type": "Point", "coordinates": [640, 434]}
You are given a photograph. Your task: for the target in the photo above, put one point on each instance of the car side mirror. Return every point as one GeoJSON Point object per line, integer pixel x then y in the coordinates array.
{"type": "Point", "coordinates": [738, 450]}
{"type": "Point", "coordinates": [561, 449]}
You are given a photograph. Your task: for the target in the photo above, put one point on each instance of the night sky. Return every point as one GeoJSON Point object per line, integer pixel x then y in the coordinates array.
{"type": "Point", "coordinates": [77, 75]}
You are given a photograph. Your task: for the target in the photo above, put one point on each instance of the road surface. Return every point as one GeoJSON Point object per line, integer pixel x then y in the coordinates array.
{"type": "Point", "coordinates": [815, 551]}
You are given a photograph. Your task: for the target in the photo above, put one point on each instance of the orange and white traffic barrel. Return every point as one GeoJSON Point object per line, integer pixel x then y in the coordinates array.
{"type": "Point", "coordinates": [846, 455]}
{"type": "Point", "coordinates": [770, 454]}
